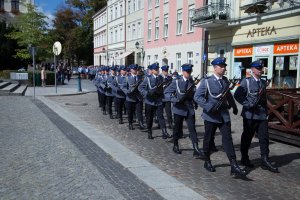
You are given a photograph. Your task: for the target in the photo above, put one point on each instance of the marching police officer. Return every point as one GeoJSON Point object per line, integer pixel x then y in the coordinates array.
{"type": "Point", "coordinates": [252, 95]}
{"type": "Point", "coordinates": [96, 83]}
{"type": "Point", "coordinates": [101, 88]}
{"type": "Point", "coordinates": [109, 92]}
{"type": "Point", "coordinates": [152, 90]}
{"type": "Point", "coordinates": [133, 97]}
{"type": "Point", "coordinates": [208, 96]}
{"type": "Point", "coordinates": [120, 95]}
{"type": "Point", "coordinates": [166, 103]}
{"type": "Point", "coordinates": [181, 93]}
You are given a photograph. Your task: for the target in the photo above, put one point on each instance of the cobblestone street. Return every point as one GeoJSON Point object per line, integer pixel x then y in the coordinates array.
{"type": "Point", "coordinates": [44, 157]}
{"type": "Point", "coordinates": [220, 185]}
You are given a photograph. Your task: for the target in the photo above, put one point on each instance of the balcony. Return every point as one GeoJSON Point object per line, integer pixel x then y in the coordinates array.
{"type": "Point", "coordinates": [212, 16]}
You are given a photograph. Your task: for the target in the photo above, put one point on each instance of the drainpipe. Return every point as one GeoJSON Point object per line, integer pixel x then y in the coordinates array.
{"type": "Point", "coordinates": [125, 27]}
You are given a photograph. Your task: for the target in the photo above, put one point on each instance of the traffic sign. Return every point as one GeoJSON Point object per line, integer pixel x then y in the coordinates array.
{"type": "Point", "coordinates": [57, 48]}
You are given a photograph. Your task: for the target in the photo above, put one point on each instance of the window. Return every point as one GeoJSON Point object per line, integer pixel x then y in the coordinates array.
{"type": "Point", "coordinates": [111, 36]}
{"type": "Point", "coordinates": [166, 25]}
{"type": "Point", "coordinates": [178, 61]}
{"type": "Point", "coordinates": [190, 17]}
{"type": "Point", "coordinates": [149, 4]}
{"type": "Point", "coordinates": [15, 5]}
{"type": "Point", "coordinates": [156, 3]}
{"type": "Point", "coordinates": [149, 30]}
{"type": "Point", "coordinates": [139, 30]}
{"type": "Point", "coordinates": [116, 35]}
{"type": "Point", "coordinates": [139, 4]}
{"type": "Point", "coordinates": [1, 4]}
{"type": "Point", "coordinates": [179, 22]}
{"type": "Point", "coordinates": [133, 32]}
{"type": "Point", "coordinates": [129, 4]}
{"type": "Point", "coordinates": [121, 34]}
{"type": "Point", "coordinates": [111, 14]}
{"type": "Point", "coordinates": [129, 33]}
{"type": "Point", "coordinates": [133, 6]}
{"type": "Point", "coordinates": [190, 57]}
{"type": "Point", "coordinates": [156, 28]}
{"type": "Point", "coordinates": [156, 58]}
{"type": "Point", "coordinates": [149, 60]}
{"type": "Point", "coordinates": [121, 10]}
{"type": "Point", "coordinates": [166, 1]}
{"type": "Point", "coordinates": [116, 12]}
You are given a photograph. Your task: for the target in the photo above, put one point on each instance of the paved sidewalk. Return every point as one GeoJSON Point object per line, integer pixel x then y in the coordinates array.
{"type": "Point", "coordinates": [259, 185]}
{"type": "Point", "coordinates": [67, 89]}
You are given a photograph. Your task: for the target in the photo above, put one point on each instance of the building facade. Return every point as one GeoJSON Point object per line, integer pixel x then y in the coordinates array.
{"type": "Point", "coordinates": [116, 33]}
{"type": "Point", "coordinates": [100, 37]}
{"type": "Point", "coordinates": [10, 8]}
{"type": "Point", "coordinates": [246, 30]}
{"type": "Point", "coordinates": [169, 35]}
{"type": "Point", "coordinates": [134, 31]}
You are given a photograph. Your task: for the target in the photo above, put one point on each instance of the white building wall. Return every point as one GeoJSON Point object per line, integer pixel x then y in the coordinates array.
{"type": "Point", "coordinates": [116, 31]}
{"type": "Point", "coordinates": [135, 28]}
{"type": "Point", "coordinates": [9, 14]}
{"type": "Point", "coordinates": [100, 37]}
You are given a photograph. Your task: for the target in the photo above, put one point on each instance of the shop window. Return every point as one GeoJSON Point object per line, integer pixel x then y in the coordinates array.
{"type": "Point", "coordinates": [285, 71]}
{"type": "Point", "coordinates": [242, 67]}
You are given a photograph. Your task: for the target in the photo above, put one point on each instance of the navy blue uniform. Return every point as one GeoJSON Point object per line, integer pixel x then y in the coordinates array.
{"type": "Point", "coordinates": [207, 96]}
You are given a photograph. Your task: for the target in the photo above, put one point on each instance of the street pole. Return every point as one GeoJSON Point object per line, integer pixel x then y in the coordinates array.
{"type": "Point", "coordinates": [33, 57]}
{"type": "Point", "coordinates": [55, 73]}
{"type": "Point", "coordinates": [79, 79]}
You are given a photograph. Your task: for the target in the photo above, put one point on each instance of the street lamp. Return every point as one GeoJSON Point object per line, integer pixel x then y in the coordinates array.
{"type": "Point", "coordinates": [137, 45]}
{"type": "Point", "coordinates": [103, 49]}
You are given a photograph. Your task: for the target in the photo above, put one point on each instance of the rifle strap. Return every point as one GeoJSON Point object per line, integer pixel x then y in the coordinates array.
{"type": "Point", "coordinates": [149, 84]}
{"type": "Point", "coordinates": [178, 90]}
{"type": "Point", "coordinates": [208, 89]}
{"type": "Point", "coordinates": [248, 89]}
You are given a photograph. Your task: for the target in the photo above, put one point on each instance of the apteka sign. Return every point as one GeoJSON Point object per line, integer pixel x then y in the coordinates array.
{"type": "Point", "coordinates": [261, 31]}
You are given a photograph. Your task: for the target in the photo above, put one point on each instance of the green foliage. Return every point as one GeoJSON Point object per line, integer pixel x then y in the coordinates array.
{"type": "Point", "coordinates": [31, 30]}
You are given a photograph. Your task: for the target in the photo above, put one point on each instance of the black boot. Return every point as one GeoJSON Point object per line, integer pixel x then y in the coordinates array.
{"type": "Point", "coordinates": [142, 126]}
{"type": "Point", "coordinates": [150, 134]}
{"type": "Point", "coordinates": [198, 153]}
{"type": "Point", "coordinates": [266, 165]}
{"type": "Point", "coordinates": [246, 162]}
{"type": "Point", "coordinates": [121, 121]}
{"type": "Point", "coordinates": [165, 134]}
{"type": "Point", "coordinates": [111, 116]}
{"type": "Point", "coordinates": [208, 166]}
{"type": "Point", "coordinates": [176, 147]}
{"type": "Point", "coordinates": [130, 126]}
{"type": "Point", "coordinates": [236, 171]}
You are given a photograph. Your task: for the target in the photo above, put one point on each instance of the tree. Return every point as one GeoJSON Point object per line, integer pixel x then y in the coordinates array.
{"type": "Point", "coordinates": [31, 29]}
{"type": "Point", "coordinates": [7, 49]}
{"type": "Point", "coordinates": [86, 9]}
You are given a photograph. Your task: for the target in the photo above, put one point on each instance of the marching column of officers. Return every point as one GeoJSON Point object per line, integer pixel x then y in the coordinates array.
{"type": "Point", "coordinates": [130, 90]}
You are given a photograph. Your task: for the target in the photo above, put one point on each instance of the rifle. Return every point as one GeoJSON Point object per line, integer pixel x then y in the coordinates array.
{"type": "Point", "coordinates": [223, 97]}
{"type": "Point", "coordinates": [136, 85]}
{"type": "Point", "coordinates": [260, 93]}
{"type": "Point", "coordinates": [191, 87]}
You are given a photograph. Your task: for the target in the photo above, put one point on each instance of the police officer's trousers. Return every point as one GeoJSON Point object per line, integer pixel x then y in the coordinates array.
{"type": "Point", "coordinates": [120, 106]}
{"type": "Point", "coordinates": [250, 127]}
{"type": "Point", "coordinates": [150, 111]}
{"type": "Point", "coordinates": [178, 126]}
{"type": "Point", "coordinates": [109, 101]}
{"type": "Point", "coordinates": [225, 130]}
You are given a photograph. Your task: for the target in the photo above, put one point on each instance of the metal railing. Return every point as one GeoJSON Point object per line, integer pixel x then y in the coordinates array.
{"type": "Point", "coordinates": [212, 11]}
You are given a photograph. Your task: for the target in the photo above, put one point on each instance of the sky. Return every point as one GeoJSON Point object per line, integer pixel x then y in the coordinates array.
{"type": "Point", "coordinates": [48, 7]}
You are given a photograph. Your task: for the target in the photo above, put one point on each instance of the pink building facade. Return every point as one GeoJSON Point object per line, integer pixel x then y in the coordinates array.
{"type": "Point", "coordinates": [169, 35]}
